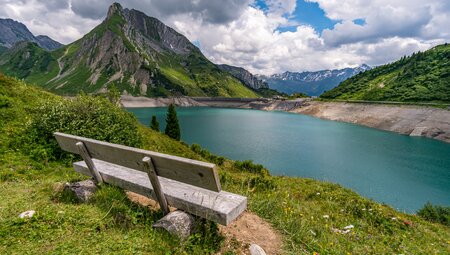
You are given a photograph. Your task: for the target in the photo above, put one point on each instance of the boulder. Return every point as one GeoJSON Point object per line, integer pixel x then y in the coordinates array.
{"type": "Point", "coordinates": [83, 190]}
{"type": "Point", "coordinates": [177, 223]}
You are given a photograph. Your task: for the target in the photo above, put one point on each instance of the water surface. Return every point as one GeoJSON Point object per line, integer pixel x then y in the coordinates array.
{"type": "Point", "coordinates": [404, 172]}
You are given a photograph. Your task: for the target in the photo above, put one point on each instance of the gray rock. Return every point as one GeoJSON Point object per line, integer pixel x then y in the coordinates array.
{"type": "Point", "coordinates": [12, 31]}
{"type": "Point", "coordinates": [177, 223]}
{"type": "Point", "coordinates": [244, 76]}
{"type": "Point", "coordinates": [27, 214]}
{"type": "Point", "coordinates": [83, 190]}
{"type": "Point", "coordinates": [256, 250]}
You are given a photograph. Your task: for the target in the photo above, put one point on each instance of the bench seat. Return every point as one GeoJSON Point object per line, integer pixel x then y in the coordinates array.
{"type": "Point", "coordinates": [221, 207]}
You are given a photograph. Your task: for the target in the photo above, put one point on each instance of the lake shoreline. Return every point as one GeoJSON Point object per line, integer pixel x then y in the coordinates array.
{"type": "Point", "coordinates": [426, 121]}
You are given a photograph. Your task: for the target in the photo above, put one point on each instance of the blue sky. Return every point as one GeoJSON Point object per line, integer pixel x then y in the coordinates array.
{"type": "Point", "coordinates": [265, 36]}
{"type": "Point", "coordinates": [306, 13]}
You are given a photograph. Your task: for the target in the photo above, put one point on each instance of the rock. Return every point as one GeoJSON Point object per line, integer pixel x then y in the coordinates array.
{"type": "Point", "coordinates": [27, 214]}
{"type": "Point", "coordinates": [83, 190]}
{"type": "Point", "coordinates": [244, 76]}
{"type": "Point", "coordinates": [177, 223]}
{"type": "Point", "coordinates": [349, 227]}
{"type": "Point", "coordinates": [256, 250]}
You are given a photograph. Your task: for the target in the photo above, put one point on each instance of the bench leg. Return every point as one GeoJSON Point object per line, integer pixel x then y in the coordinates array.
{"type": "Point", "coordinates": [152, 175]}
{"type": "Point", "coordinates": [90, 164]}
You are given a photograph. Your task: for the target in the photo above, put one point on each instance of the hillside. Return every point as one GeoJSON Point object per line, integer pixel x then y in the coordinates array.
{"type": "Point", "coordinates": [311, 83]}
{"type": "Point", "coordinates": [311, 215]}
{"type": "Point", "coordinates": [421, 77]}
{"type": "Point", "coordinates": [12, 32]}
{"type": "Point", "coordinates": [138, 54]}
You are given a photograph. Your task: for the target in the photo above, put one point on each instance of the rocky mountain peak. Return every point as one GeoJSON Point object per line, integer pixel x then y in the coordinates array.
{"type": "Point", "coordinates": [115, 8]}
{"type": "Point", "coordinates": [12, 31]}
{"type": "Point", "coordinates": [244, 76]}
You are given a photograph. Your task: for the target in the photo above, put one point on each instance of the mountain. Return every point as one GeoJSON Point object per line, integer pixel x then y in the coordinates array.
{"type": "Point", "coordinates": [421, 77]}
{"type": "Point", "coordinates": [12, 32]}
{"type": "Point", "coordinates": [48, 43]}
{"type": "Point", "coordinates": [311, 83]}
{"type": "Point", "coordinates": [140, 55]}
{"type": "Point", "coordinates": [244, 76]}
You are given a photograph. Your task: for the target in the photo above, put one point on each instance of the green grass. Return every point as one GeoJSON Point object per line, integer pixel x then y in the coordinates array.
{"type": "Point", "coordinates": [110, 223]}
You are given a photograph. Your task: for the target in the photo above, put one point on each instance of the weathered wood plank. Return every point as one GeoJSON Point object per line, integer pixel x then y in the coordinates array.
{"type": "Point", "coordinates": [88, 160]}
{"type": "Point", "coordinates": [154, 180]}
{"type": "Point", "coordinates": [221, 207]}
{"type": "Point", "coordinates": [197, 173]}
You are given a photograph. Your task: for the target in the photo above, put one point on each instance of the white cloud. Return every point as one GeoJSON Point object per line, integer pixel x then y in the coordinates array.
{"type": "Point", "coordinates": [238, 33]}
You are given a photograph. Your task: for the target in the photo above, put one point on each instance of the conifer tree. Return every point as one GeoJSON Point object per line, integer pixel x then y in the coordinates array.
{"type": "Point", "coordinates": [172, 126]}
{"type": "Point", "coordinates": [154, 124]}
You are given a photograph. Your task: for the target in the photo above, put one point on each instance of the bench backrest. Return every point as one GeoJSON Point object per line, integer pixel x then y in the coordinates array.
{"type": "Point", "coordinates": [193, 172]}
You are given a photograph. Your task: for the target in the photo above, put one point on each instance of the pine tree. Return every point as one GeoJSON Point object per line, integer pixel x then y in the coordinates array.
{"type": "Point", "coordinates": [172, 126]}
{"type": "Point", "coordinates": [154, 124]}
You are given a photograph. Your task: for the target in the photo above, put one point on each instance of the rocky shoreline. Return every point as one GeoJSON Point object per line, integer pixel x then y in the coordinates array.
{"type": "Point", "coordinates": [411, 120]}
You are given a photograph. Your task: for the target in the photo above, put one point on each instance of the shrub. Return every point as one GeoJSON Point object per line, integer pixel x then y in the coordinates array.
{"type": "Point", "coordinates": [218, 160]}
{"type": "Point", "coordinates": [262, 183]}
{"type": "Point", "coordinates": [154, 124]}
{"type": "Point", "coordinates": [435, 213]}
{"type": "Point", "coordinates": [249, 166]}
{"type": "Point", "coordinates": [92, 117]}
{"type": "Point", "coordinates": [4, 101]}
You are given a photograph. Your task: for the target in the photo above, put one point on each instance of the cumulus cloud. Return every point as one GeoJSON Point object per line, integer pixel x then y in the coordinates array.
{"type": "Point", "coordinates": [237, 32]}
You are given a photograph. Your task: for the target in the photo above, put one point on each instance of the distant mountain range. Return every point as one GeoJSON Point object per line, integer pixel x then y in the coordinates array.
{"type": "Point", "coordinates": [140, 55]}
{"type": "Point", "coordinates": [12, 32]}
{"type": "Point", "coordinates": [311, 83]}
{"type": "Point", "coordinates": [421, 77]}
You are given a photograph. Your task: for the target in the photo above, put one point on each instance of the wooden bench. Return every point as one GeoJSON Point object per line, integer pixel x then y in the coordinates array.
{"type": "Point", "coordinates": [188, 185]}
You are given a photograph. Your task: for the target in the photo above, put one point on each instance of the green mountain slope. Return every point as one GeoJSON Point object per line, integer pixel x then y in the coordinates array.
{"type": "Point", "coordinates": [138, 54]}
{"type": "Point", "coordinates": [422, 77]}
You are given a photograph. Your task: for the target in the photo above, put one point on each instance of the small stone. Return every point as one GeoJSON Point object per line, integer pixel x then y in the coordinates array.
{"type": "Point", "coordinates": [83, 190]}
{"type": "Point", "coordinates": [349, 227]}
{"type": "Point", "coordinates": [27, 214]}
{"type": "Point", "coordinates": [256, 250]}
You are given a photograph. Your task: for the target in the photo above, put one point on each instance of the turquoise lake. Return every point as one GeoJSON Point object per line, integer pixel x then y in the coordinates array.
{"type": "Point", "coordinates": [404, 172]}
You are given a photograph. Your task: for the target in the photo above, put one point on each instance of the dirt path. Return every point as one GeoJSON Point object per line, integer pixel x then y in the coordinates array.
{"type": "Point", "coordinates": [248, 229]}
{"type": "Point", "coordinates": [60, 65]}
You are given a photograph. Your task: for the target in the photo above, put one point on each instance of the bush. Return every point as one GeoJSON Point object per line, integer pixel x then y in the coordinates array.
{"type": "Point", "coordinates": [218, 160]}
{"type": "Point", "coordinates": [248, 166]}
{"type": "Point", "coordinates": [435, 213]}
{"type": "Point", "coordinates": [154, 124]}
{"type": "Point", "coordinates": [92, 117]}
{"type": "Point", "coordinates": [262, 183]}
